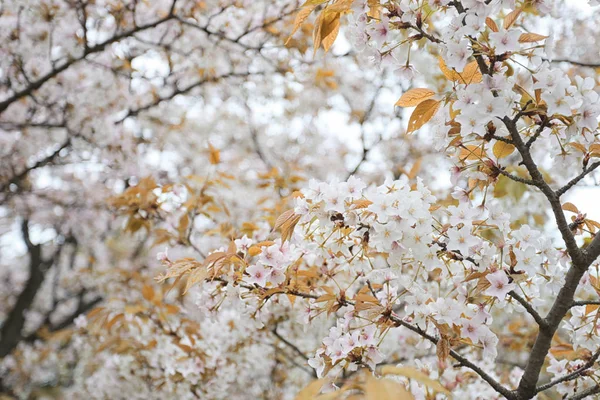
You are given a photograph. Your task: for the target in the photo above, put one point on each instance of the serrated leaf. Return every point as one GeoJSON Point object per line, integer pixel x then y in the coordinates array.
{"type": "Point", "coordinates": [502, 149]}
{"type": "Point", "coordinates": [531, 37]}
{"type": "Point", "coordinates": [570, 207]}
{"type": "Point", "coordinates": [422, 114]}
{"type": "Point", "coordinates": [414, 96]}
{"type": "Point", "coordinates": [511, 18]}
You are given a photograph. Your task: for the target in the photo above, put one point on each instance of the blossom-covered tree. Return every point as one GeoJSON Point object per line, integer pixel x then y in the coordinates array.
{"type": "Point", "coordinates": [357, 199]}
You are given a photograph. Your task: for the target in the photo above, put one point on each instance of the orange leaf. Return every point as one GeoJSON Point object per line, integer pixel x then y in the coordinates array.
{"type": "Point", "coordinates": [414, 96]}
{"type": "Point", "coordinates": [503, 149]}
{"type": "Point", "coordinates": [215, 155]}
{"type": "Point", "coordinates": [491, 24]}
{"type": "Point", "coordinates": [422, 114]}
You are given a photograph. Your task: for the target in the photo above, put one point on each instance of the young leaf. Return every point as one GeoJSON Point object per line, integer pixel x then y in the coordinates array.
{"type": "Point", "coordinates": [471, 73]}
{"type": "Point", "coordinates": [503, 149]}
{"type": "Point", "coordinates": [300, 18]}
{"type": "Point", "coordinates": [570, 207]}
{"type": "Point", "coordinates": [413, 97]}
{"type": "Point", "coordinates": [511, 18]}
{"type": "Point", "coordinates": [491, 24]}
{"type": "Point", "coordinates": [531, 37]}
{"type": "Point", "coordinates": [214, 155]}
{"type": "Point", "coordinates": [330, 29]}
{"type": "Point", "coordinates": [422, 114]}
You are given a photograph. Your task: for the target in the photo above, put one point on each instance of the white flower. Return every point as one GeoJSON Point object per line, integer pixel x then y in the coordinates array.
{"type": "Point", "coordinates": [258, 274]}
{"type": "Point", "coordinates": [499, 285]}
{"type": "Point", "coordinates": [163, 256]}
{"type": "Point", "coordinates": [505, 41]}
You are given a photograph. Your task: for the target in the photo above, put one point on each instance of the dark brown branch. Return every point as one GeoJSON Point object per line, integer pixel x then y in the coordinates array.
{"type": "Point", "coordinates": [536, 176]}
{"type": "Point", "coordinates": [574, 62]}
{"type": "Point", "coordinates": [462, 360]}
{"type": "Point", "coordinates": [39, 164]}
{"type": "Point", "coordinates": [536, 316]}
{"type": "Point", "coordinates": [82, 308]}
{"type": "Point", "coordinates": [516, 178]}
{"type": "Point", "coordinates": [176, 92]}
{"type": "Point", "coordinates": [586, 393]}
{"type": "Point", "coordinates": [573, 375]}
{"type": "Point", "coordinates": [579, 177]}
{"type": "Point", "coordinates": [289, 344]}
{"type": "Point", "coordinates": [35, 85]}
{"type": "Point", "coordinates": [585, 303]}
{"type": "Point", "coordinates": [13, 325]}
{"type": "Point", "coordinates": [564, 299]}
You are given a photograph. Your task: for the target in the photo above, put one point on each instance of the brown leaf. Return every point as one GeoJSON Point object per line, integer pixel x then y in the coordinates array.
{"type": "Point", "coordinates": [491, 24]}
{"type": "Point", "coordinates": [470, 74]}
{"type": "Point", "coordinates": [414, 96]}
{"type": "Point", "coordinates": [511, 18]}
{"type": "Point", "coordinates": [570, 207]}
{"type": "Point", "coordinates": [531, 37]}
{"type": "Point", "coordinates": [148, 292]}
{"type": "Point", "coordinates": [422, 114]}
{"type": "Point", "coordinates": [214, 155]}
{"type": "Point", "coordinates": [302, 15]}
{"type": "Point", "coordinates": [330, 29]}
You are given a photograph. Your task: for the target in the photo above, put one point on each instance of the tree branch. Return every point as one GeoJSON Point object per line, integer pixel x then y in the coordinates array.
{"type": "Point", "coordinates": [586, 393]}
{"type": "Point", "coordinates": [573, 375]}
{"type": "Point", "coordinates": [579, 177]}
{"type": "Point", "coordinates": [13, 325]}
{"type": "Point", "coordinates": [176, 92]}
{"type": "Point", "coordinates": [39, 164]}
{"type": "Point", "coordinates": [536, 316]}
{"type": "Point", "coordinates": [35, 85]}
{"type": "Point", "coordinates": [289, 344]}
